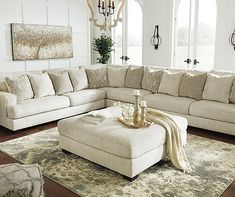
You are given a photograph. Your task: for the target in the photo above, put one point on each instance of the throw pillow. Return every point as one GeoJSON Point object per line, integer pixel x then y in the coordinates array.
{"type": "Point", "coordinates": [78, 78]}
{"type": "Point", "coordinates": [134, 77]}
{"type": "Point", "coordinates": [218, 88]}
{"type": "Point", "coordinates": [42, 85]}
{"type": "Point", "coordinates": [97, 78]}
{"type": "Point", "coordinates": [21, 87]}
{"type": "Point", "coordinates": [170, 83]}
{"type": "Point", "coordinates": [232, 95]}
{"type": "Point", "coordinates": [61, 82]}
{"type": "Point", "coordinates": [192, 86]}
{"type": "Point", "coordinates": [116, 76]}
{"type": "Point", "coordinates": [151, 79]}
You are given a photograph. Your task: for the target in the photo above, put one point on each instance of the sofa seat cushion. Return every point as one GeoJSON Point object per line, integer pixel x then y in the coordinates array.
{"type": "Point", "coordinates": [213, 110]}
{"type": "Point", "coordinates": [37, 106]}
{"type": "Point", "coordinates": [124, 94]}
{"type": "Point", "coordinates": [85, 96]}
{"type": "Point", "coordinates": [169, 103]}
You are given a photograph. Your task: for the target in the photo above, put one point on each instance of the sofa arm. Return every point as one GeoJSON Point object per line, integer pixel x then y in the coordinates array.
{"type": "Point", "coordinates": [6, 100]}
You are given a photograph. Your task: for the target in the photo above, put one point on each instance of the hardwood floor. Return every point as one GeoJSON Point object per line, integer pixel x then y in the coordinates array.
{"type": "Point", "coordinates": [52, 188]}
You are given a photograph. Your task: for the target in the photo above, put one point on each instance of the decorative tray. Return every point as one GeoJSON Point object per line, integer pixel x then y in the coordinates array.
{"type": "Point", "coordinates": [134, 126]}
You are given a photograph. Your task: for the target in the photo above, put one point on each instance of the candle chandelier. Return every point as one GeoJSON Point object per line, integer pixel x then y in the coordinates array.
{"type": "Point", "coordinates": [107, 8]}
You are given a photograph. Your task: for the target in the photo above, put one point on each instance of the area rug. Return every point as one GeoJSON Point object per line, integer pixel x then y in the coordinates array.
{"type": "Point", "coordinates": [213, 165]}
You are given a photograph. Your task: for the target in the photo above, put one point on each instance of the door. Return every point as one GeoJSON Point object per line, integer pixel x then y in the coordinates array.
{"type": "Point", "coordinates": [128, 35]}
{"type": "Point", "coordinates": [195, 34]}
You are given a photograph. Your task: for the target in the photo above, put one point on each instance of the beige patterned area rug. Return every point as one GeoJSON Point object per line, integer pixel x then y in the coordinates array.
{"type": "Point", "coordinates": [213, 166]}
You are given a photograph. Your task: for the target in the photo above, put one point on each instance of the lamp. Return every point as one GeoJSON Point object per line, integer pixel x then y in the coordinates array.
{"type": "Point", "coordinates": [156, 39]}
{"type": "Point", "coordinates": [106, 8]}
{"type": "Point", "coordinates": [232, 39]}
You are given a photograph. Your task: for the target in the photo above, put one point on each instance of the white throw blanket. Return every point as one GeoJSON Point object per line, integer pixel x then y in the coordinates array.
{"type": "Point", "coordinates": [174, 143]}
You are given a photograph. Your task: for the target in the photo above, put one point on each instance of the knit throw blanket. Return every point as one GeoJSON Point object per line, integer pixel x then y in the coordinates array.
{"type": "Point", "coordinates": [175, 149]}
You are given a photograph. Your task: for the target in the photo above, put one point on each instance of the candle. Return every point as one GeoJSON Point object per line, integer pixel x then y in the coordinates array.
{"type": "Point", "coordinates": [143, 104]}
{"type": "Point", "coordinates": [136, 93]}
{"type": "Point", "coordinates": [99, 4]}
{"type": "Point", "coordinates": [102, 4]}
{"type": "Point", "coordinates": [109, 3]}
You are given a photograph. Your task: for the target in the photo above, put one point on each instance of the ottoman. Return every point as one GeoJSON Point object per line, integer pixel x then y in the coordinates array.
{"type": "Point", "coordinates": [111, 144]}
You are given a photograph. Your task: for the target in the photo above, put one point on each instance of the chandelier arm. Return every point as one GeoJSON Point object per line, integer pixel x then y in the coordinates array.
{"type": "Point", "coordinates": [118, 19]}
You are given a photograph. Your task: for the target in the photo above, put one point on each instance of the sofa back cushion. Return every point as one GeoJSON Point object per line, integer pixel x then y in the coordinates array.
{"type": "Point", "coordinates": [21, 87]}
{"type": "Point", "coordinates": [134, 77]}
{"type": "Point", "coordinates": [232, 94]}
{"type": "Point", "coordinates": [78, 78]}
{"type": "Point", "coordinates": [116, 76]}
{"type": "Point", "coordinates": [192, 86]}
{"type": "Point", "coordinates": [61, 82]}
{"type": "Point", "coordinates": [170, 83]}
{"type": "Point", "coordinates": [218, 88]}
{"type": "Point", "coordinates": [42, 85]}
{"type": "Point", "coordinates": [151, 79]}
{"type": "Point", "coordinates": [97, 77]}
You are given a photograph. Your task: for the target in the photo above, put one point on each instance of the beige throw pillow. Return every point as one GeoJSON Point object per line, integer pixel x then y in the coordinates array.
{"type": "Point", "coordinates": [97, 78]}
{"type": "Point", "coordinates": [78, 78]}
{"type": "Point", "coordinates": [134, 77]}
{"type": "Point", "coordinates": [151, 79]}
{"type": "Point", "coordinates": [232, 94]}
{"type": "Point", "coordinates": [116, 76]}
{"type": "Point", "coordinates": [218, 88]}
{"type": "Point", "coordinates": [21, 87]}
{"type": "Point", "coordinates": [192, 86]}
{"type": "Point", "coordinates": [42, 85]}
{"type": "Point", "coordinates": [61, 82]}
{"type": "Point", "coordinates": [170, 83]}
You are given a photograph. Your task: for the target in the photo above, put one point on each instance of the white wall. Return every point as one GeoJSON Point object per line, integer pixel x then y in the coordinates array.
{"type": "Point", "coordinates": [224, 53]}
{"type": "Point", "coordinates": [52, 12]}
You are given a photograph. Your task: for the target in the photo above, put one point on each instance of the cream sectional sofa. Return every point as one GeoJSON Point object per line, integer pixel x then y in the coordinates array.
{"type": "Point", "coordinates": [205, 114]}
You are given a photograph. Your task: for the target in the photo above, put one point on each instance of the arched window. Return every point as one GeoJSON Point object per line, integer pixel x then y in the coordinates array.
{"type": "Point", "coordinates": [195, 34]}
{"type": "Point", "coordinates": [128, 35]}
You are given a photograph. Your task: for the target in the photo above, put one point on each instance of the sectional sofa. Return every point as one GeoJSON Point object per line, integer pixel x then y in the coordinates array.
{"type": "Point", "coordinates": [207, 100]}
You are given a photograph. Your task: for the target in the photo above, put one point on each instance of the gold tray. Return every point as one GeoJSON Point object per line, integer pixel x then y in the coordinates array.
{"type": "Point", "coordinates": [145, 124]}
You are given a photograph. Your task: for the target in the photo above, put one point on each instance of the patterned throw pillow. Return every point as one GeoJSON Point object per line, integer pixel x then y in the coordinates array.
{"type": "Point", "coordinates": [61, 82]}
{"type": "Point", "coordinates": [21, 87]}
{"type": "Point", "coordinates": [97, 78]}
{"type": "Point", "coordinates": [232, 95]}
{"type": "Point", "coordinates": [78, 78]}
{"type": "Point", "coordinates": [192, 86]}
{"type": "Point", "coordinates": [42, 85]}
{"type": "Point", "coordinates": [151, 79]}
{"type": "Point", "coordinates": [134, 77]}
{"type": "Point", "coordinates": [170, 83]}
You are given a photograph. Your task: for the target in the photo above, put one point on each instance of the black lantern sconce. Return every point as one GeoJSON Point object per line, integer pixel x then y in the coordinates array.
{"type": "Point", "coordinates": [232, 39]}
{"type": "Point", "coordinates": [156, 39]}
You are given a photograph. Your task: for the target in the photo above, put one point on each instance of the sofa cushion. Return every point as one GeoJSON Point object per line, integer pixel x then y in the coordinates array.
{"type": "Point", "coordinates": [116, 76]}
{"type": "Point", "coordinates": [21, 87]}
{"type": "Point", "coordinates": [97, 77]}
{"type": "Point", "coordinates": [124, 94]}
{"type": "Point", "coordinates": [169, 103]}
{"type": "Point", "coordinates": [85, 96]}
{"type": "Point", "coordinates": [170, 83]}
{"type": "Point", "coordinates": [42, 85]}
{"type": "Point", "coordinates": [213, 110]}
{"type": "Point", "coordinates": [151, 79]}
{"type": "Point", "coordinates": [192, 86]}
{"type": "Point", "coordinates": [218, 88]}
{"type": "Point", "coordinates": [134, 77]}
{"type": "Point", "coordinates": [37, 106]}
{"type": "Point", "coordinates": [61, 82]}
{"type": "Point", "coordinates": [78, 78]}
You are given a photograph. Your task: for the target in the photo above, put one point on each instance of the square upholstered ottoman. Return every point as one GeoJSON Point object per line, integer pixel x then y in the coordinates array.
{"type": "Point", "coordinates": [111, 144]}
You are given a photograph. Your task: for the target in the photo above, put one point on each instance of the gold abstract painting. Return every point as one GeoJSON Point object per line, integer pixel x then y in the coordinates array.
{"type": "Point", "coordinates": [34, 42]}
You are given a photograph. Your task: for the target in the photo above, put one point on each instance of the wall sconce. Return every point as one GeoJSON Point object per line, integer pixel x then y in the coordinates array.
{"type": "Point", "coordinates": [156, 39]}
{"type": "Point", "coordinates": [232, 39]}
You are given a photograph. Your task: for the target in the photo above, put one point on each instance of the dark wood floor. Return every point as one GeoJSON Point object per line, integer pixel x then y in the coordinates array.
{"type": "Point", "coordinates": [54, 189]}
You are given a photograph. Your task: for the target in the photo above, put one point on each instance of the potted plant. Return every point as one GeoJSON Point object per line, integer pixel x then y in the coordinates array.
{"type": "Point", "coordinates": [104, 46]}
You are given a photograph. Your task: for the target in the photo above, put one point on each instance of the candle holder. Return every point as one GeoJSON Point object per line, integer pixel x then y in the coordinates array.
{"type": "Point", "coordinates": [143, 114]}
{"type": "Point", "coordinates": [137, 112]}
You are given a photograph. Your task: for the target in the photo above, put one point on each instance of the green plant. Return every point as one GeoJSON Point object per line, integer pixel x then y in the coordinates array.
{"type": "Point", "coordinates": [104, 46]}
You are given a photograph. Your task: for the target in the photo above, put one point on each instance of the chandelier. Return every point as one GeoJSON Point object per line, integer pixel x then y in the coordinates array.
{"type": "Point", "coordinates": [107, 8]}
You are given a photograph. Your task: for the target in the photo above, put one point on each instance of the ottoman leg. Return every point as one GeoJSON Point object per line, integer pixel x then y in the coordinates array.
{"type": "Point", "coordinates": [66, 152]}
{"type": "Point", "coordinates": [130, 179]}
